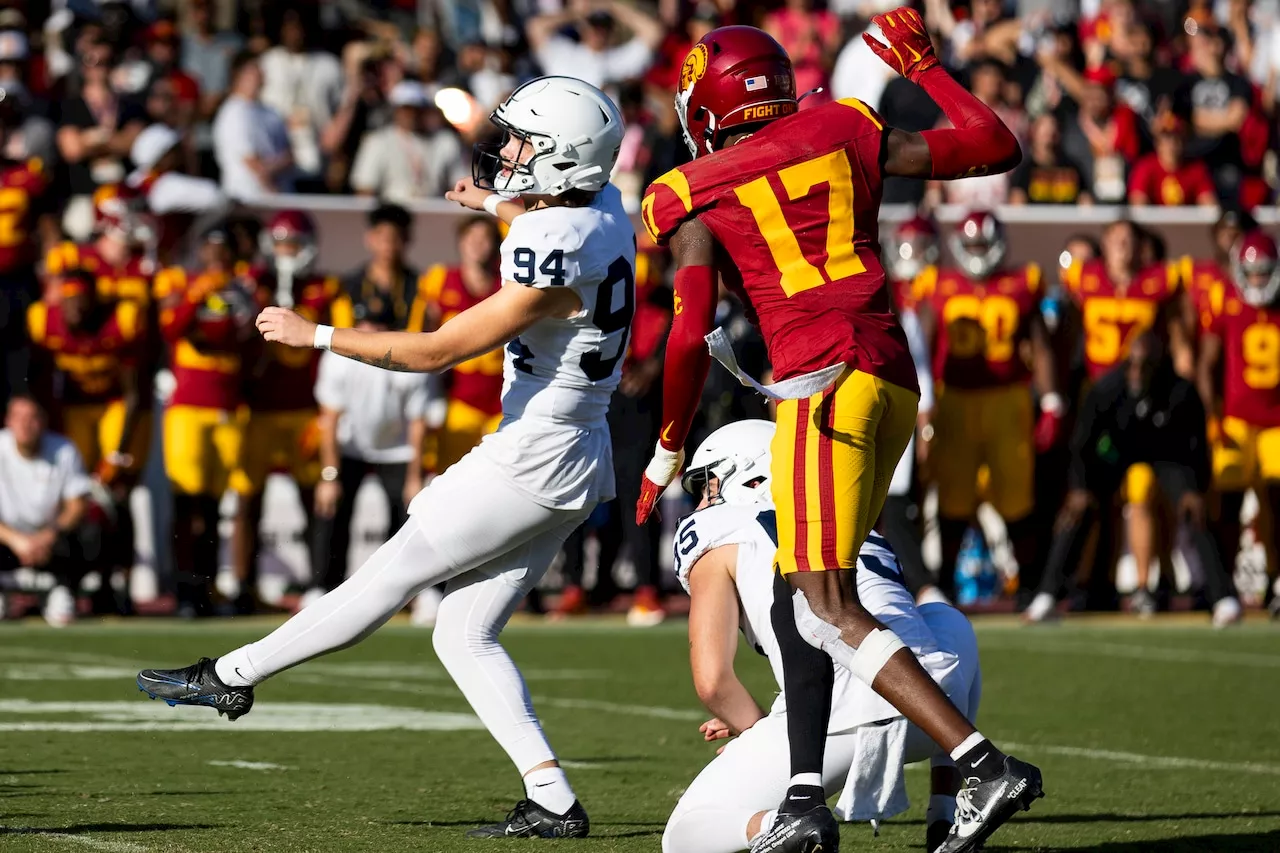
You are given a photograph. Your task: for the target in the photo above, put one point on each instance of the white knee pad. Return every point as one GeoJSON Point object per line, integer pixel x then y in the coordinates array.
{"type": "Point", "coordinates": [865, 662]}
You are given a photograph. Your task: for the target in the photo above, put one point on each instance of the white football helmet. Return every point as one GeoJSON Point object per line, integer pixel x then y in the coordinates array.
{"type": "Point", "coordinates": [738, 456]}
{"type": "Point", "coordinates": [573, 129]}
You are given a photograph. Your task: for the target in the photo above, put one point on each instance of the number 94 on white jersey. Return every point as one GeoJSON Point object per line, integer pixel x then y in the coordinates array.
{"type": "Point", "coordinates": [567, 369]}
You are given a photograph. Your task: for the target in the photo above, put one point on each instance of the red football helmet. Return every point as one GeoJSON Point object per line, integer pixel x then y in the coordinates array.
{"type": "Point", "coordinates": [978, 244]}
{"type": "Point", "coordinates": [1255, 265]}
{"type": "Point", "coordinates": [290, 241]}
{"type": "Point", "coordinates": [734, 76]}
{"type": "Point", "coordinates": [912, 247]}
{"type": "Point", "coordinates": [121, 213]}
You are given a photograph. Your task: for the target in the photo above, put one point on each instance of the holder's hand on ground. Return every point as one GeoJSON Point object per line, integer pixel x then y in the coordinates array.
{"type": "Point", "coordinates": [662, 469]}
{"type": "Point", "coordinates": [910, 50]}
{"type": "Point", "coordinates": [284, 326]}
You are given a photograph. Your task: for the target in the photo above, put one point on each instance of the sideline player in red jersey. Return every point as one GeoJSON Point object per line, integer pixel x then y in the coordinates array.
{"type": "Point", "coordinates": [783, 205]}
{"type": "Point", "coordinates": [1239, 380]}
{"type": "Point", "coordinates": [979, 318]}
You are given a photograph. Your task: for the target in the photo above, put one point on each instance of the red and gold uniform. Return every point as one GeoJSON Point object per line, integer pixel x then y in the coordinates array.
{"type": "Point", "coordinates": [796, 207]}
{"type": "Point", "coordinates": [281, 433]}
{"type": "Point", "coordinates": [131, 281]}
{"type": "Point", "coordinates": [1247, 450]}
{"type": "Point", "coordinates": [1113, 318]}
{"type": "Point", "coordinates": [474, 387]}
{"type": "Point", "coordinates": [984, 414]}
{"type": "Point", "coordinates": [90, 408]}
{"type": "Point", "coordinates": [22, 192]}
{"type": "Point", "coordinates": [1206, 284]}
{"type": "Point", "coordinates": [202, 322]}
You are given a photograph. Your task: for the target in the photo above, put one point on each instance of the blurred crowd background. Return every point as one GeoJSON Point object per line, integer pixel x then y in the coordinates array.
{"type": "Point", "coordinates": [159, 160]}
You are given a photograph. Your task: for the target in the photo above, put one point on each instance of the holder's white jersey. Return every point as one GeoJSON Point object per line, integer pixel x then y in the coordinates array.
{"type": "Point", "coordinates": [880, 589]}
{"type": "Point", "coordinates": [566, 370]}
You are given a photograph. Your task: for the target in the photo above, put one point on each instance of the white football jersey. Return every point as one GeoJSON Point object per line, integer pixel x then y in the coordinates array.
{"type": "Point", "coordinates": [880, 589]}
{"type": "Point", "coordinates": [566, 370]}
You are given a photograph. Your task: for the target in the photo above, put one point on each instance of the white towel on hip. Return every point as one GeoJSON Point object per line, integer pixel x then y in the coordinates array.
{"type": "Point", "coordinates": [875, 789]}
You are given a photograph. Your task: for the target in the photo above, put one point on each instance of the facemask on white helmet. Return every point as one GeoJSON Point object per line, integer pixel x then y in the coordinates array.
{"type": "Point", "coordinates": [737, 456]}
{"type": "Point", "coordinates": [560, 134]}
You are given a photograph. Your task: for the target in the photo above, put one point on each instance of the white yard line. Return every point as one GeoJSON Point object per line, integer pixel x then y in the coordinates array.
{"type": "Point", "coordinates": [82, 840]}
{"type": "Point", "coordinates": [249, 765]}
{"type": "Point", "coordinates": [1169, 762]}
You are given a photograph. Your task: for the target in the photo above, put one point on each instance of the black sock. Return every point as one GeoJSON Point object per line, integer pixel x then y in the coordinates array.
{"type": "Point", "coordinates": [808, 678]}
{"type": "Point", "coordinates": [983, 762]}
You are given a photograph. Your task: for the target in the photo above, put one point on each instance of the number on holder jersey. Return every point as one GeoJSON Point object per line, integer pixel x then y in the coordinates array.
{"type": "Point", "coordinates": [609, 320]}
{"type": "Point", "coordinates": [527, 262]}
{"type": "Point", "coordinates": [798, 272]}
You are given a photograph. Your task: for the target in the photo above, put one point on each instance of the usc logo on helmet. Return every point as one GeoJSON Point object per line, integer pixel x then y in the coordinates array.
{"type": "Point", "coordinates": [695, 65]}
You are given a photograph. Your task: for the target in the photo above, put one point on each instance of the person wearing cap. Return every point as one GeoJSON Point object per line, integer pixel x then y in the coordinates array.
{"type": "Point", "coordinates": [206, 320]}
{"type": "Point", "coordinates": [403, 161]}
{"type": "Point", "coordinates": [372, 422]}
{"type": "Point", "coordinates": [1165, 177]}
{"type": "Point", "coordinates": [386, 279]}
{"type": "Point", "coordinates": [250, 140]}
{"type": "Point", "coordinates": [594, 57]}
{"type": "Point", "coordinates": [171, 196]}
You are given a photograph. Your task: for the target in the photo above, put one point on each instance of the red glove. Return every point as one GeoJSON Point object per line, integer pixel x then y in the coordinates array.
{"type": "Point", "coordinates": [1049, 426]}
{"type": "Point", "coordinates": [910, 50]}
{"type": "Point", "coordinates": [662, 469]}
{"type": "Point", "coordinates": [105, 472]}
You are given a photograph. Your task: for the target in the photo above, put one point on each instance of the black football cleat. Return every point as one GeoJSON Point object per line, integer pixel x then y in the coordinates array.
{"type": "Point", "coordinates": [530, 820]}
{"type": "Point", "coordinates": [814, 831]}
{"type": "Point", "coordinates": [983, 807]}
{"type": "Point", "coordinates": [936, 833]}
{"type": "Point", "coordinates": [197, 684]}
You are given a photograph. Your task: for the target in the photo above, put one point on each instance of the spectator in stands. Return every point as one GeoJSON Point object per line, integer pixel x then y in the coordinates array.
{"type": "Point", "coordinates": [250, 140]}
{"type": "Point", "coordinates": [207, 55]}
{"type": "Point", "coordinates": [386, 279]}
{"type": "Point", "coordinates": [96, 129]}
{"type": "Point", "coordinates": [1166, 177]}
{"type": "Point", "coordinates": [164, 53]}
{"type": "Point", "coordinates": [304, 85]}
{"type": "Point", "coordinates": [987, 79]}
{"type": "Point", "coordinates": [34, 137]}
{"type": "Point", "coordinates": [1218, 104]}
{"type": "Point", "coordinates": [812, 38]}
{"type": "Point", "coordinates": [593, 57]}
{"type": "Point", "coordinates": [1046, 176]}
{"type": "Point", "coordinates": [371, 421]}
{"type": "Point", "coordinates": [43, 506]}
{"type": "Point", "coordinates": [1101, 137]}
{"type": "Point", "coordinates": [1140, 413]}
{"type": "Point", "coordinates": [1144, 84]}
{"type": "Point", "coordinates": [370, 76]}
{"type": "Point", "coordinates": [408, 160]}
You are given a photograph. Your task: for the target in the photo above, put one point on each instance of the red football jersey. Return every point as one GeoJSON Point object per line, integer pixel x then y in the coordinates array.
{"type": "Point", "coordinates": [1114, 317]}
{"type": "Point", "coordinates": [653, 311]}
{"type": "Point", "coordinates": [795, 208]}
{"type": "Point", "coordinates": [90, 361]}
{"type": "Point", "coordinates": [131, 281]}
{"type": "Point", "coordinates": [1161, 187]}
{"type": "Point", "coordinates": [980, 325]}
{"type": "Point", "coordinates": [1251, 361]}
{"type": "Point", "coordinates": [201, 329]}
{"type": "Point", "coordinates": [22, 187]}
{"type": "Point", "coordinates": [1207, 284]}
{"type": "Point", "coordinates": [478, 381]}
{"type": "Point", "coordinates": [281, 378]}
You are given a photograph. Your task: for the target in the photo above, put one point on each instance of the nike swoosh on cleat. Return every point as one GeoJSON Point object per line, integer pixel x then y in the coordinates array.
{"type": "Point", "coordinates": [980, 760]}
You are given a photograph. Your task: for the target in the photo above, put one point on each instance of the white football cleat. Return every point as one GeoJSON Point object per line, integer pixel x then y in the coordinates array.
{"type": "Point", "coordinates": [1227, 612]}
{"type": "Point", "coordinates": [310, 597]}
{"type": "Point", "coordinates": [60, 607]}
{"type": "Point", "coordinates": [1042, 608]}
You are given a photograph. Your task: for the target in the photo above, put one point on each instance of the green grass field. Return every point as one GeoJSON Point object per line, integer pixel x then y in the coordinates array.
{"type": "Point", "coordinates": [1155, 739]}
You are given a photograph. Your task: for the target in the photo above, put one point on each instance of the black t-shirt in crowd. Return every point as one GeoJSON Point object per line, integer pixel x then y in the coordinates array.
{"type": "Point", "coordinates": [1215, 93]}
{"type": "Point", "coordinates": [1146, 95]}
{"type": "Point", "coordinates": [76, 113]}
{"type": "Point", "coordinates": [1059, 181]}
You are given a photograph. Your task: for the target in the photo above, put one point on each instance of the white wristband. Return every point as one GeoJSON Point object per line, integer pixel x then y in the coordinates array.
{"type": "Point", "coordinates": [323, 338]}
{"type": "Point", "coordinates": [491, 203]}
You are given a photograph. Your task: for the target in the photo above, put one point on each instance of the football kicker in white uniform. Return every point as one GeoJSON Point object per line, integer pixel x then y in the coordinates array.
{"type": "Point", "coordinates": [492, 523]}
{"type": "Point", "coordinates": [724, 559]}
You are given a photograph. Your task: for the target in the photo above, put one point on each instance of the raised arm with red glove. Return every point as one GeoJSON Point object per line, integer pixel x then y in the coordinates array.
{"type": "Point", "coordinates": [687, 359]}
{"type": "Point", "coordinates": [978, 144]}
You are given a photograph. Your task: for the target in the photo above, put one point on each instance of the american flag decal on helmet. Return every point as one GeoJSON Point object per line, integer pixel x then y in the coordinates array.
{"type": "Point", "coordinates": [754, 84]}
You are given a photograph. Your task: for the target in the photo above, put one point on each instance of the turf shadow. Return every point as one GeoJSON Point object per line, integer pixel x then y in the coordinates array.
{"type": "Point", "coordinates": [40, 771]}
{"type": "Point", "coordinates": [1260, 842]}
{"type": "Point", "coordinates": [185, 793]}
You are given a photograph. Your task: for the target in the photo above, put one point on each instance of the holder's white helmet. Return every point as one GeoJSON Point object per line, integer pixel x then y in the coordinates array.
{"type": "Point", "coordinates": [738, 456]}
{"type": "Point", "coordinates": [573, 129]}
